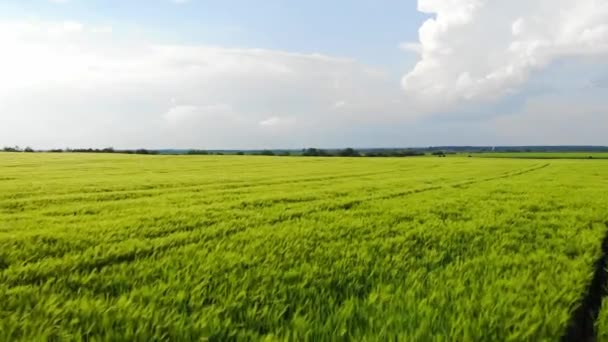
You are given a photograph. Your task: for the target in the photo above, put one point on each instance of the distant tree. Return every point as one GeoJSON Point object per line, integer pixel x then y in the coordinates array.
{"type": "Point", "coordinates": [199, 152]}
{"type": "Point", "coordinates": [11, 149]}
{"type": "Point", "coordinates": [307, 152]}
{"type": "Point", "coordinates": [240, 153]}
{"type": "Point", "coordinates": [314, 152]}
{"type": "Point", "coordinates": [28, 149]}
{"type": "Point", "coordinates": [107, 150]}
{"type": "Point", "coordinates": [349, 152]}
{"type": "Point", "coordinates": [56, 150]}
{"type": "Point", "coordinates": [84, 150]}
{"type": "Point", "coordinates": [407, 153]}
{"type": "Point", "coordinates": [266, 153]}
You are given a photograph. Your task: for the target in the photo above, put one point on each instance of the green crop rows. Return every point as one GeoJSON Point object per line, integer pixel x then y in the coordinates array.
{"type": "Point", "coordinates": [123, 248]}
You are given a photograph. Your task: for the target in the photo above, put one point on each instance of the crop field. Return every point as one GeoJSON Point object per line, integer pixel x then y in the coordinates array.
{"type": "Point", "coordinates": [123, 248]}
{"type": "Point", "coordinates": [544, 155]}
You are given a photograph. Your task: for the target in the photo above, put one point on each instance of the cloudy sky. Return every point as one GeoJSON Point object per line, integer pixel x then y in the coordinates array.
{"type": "Point", "coordinates": [293, 74]}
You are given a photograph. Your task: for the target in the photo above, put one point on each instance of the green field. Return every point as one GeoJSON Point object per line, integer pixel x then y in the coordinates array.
{"type": "Point", "coordinates": [543, 155]}
{"type": "Point", "coordinates": [123, 248]}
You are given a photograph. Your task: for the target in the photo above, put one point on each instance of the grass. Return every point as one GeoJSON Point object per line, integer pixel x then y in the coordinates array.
{"type": "Point", "coordinates": [122, 248]}
{"type": "Point", "coordinates": [602, 323]}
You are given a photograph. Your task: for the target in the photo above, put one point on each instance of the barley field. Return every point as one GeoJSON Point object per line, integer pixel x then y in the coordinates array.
{"type": "Point", "coordinates": [145, 248]}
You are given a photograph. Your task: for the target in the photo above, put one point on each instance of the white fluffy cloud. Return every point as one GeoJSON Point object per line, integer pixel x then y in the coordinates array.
{"type": "Point", "coordinates": [479, 50]}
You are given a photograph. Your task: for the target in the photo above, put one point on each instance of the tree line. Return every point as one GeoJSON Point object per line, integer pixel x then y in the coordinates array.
{"type": "Point", "coordinates": [81, 150]}
{"type": "Point", "coordinates": [307, 152]}
{"type": "Point", "coordinates": [317, 152]}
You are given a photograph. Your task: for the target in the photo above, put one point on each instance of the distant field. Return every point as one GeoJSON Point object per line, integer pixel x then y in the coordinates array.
{"type": "Point", "coordinates": [122, 248]}
{"type": "Point", "coordinates": [544, 155]}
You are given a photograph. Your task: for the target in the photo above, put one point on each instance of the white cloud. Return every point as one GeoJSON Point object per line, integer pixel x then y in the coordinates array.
{"type": "Point", "coordinates": [339, 104]}
{"type": "Point", "coordinates": [102, 29]}
{"type": "Point", "coordinates": [72, 26]}
{"type": "Point", "coordinates": [188, 114]}
{"type": "Point", "coordinates": [479, 50]}
{"type": "Point", "coordinates": [411, 47]}
{"type": "Point", "coordinates": [97, 87]}
{"type": "Point", "coordinates": [556, 119]}
{"type": "Point", "coordinates": [275, 121]}
{"type": "Point", "coordinates": [72, 84]}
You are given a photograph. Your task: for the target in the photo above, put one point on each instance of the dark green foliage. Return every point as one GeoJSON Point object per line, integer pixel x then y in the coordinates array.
{"type": "Point", "coordinates": [394, 153]}
{"type": "Point", "coordinates": [144, 151]}
{"type": "Point", "coordinates": [11, 149]}
{"type": "Point", "coordinates": [349, 152]}
{"type": "Point", "coordinates": [314, 152]}
{"type": "Point", "coordinates": [197, 152]}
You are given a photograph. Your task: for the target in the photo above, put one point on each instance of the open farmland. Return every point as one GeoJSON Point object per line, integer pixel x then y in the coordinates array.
{"type": "Point", "coordinates": [128, 248]}
{"type": "Point", "coordinates": [543, 155]}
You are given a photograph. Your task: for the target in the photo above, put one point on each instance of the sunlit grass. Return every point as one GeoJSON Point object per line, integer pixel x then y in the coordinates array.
{"type": "Point", "coordinates": [119, 247]}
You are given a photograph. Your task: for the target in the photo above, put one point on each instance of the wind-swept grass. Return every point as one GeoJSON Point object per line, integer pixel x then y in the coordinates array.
{"type": "Point", "coordinates": [124, 248]}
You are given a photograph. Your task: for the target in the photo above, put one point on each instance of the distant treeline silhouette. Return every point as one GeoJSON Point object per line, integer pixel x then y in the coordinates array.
{"type": "Point", "coordinates": [307, 152]}
{"type": "Point", "coordinates": [351, 152]}
{"type": "Point", "coordinates": [81, 150]}
{"type": "Point", "coordinates": [438, 151]}
{"type": "Point", "coordinates": [316, 152]}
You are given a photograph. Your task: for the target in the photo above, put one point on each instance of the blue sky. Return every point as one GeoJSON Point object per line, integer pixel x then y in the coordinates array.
{"type": "Point", "coordinates": [266, 74]}
{"type": "Point", "coordinates": [359, 29]}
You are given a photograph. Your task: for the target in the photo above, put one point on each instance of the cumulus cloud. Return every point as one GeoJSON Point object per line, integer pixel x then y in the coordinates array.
{"type": "Point", "coordinates": [479, 50]}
